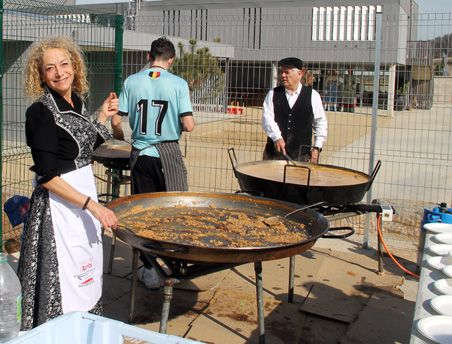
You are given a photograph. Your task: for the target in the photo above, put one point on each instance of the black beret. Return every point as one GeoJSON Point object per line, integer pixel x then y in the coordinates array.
{"type": "Point", "coordinates": [292, 62]}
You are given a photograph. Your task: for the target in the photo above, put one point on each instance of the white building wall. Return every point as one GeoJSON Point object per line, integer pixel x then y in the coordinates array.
{"type": "Point", "coordinates": [266, 30]}
{"type": "Point", "coordinates": [270, 33]}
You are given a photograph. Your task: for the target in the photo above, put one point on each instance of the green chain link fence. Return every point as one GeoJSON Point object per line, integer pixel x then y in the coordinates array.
{"type": "Point", "coordinates": [243, 65]}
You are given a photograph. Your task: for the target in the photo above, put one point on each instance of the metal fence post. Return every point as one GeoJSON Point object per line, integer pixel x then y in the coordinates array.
{"type": "Point", "coordinates": [376, 87]}
{"type": "Point", "coordinates": [116, 174]}
{"type": "Point", "coordinates": [1, 119]}
{"type": "Point", "coordinates": [119, 36]}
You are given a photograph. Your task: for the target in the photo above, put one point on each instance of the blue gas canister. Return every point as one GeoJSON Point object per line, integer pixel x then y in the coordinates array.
{"type": "Point", "coordinates": [440, 214]}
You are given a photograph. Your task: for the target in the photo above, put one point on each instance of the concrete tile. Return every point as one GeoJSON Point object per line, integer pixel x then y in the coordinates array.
{"type": "Point", "coordinates": [342, 287]}
{"type": "Point", "coordinates": [361, 267]}
{"type": "Point", "coordinates": [317, 330]}
{"type": "Point", "coordinates": [117, 309]}
{"type": "Point", "coordinates": [333, 303]}
{"type": "Point", "coordinates": [409, 289]}
{"type": "Point", "coordinates": [275, 276]}
{"type": "Point", "coordinates": [232, 316]}
{"type": "Point", "coordinates": [176, 326]}
{"type": "Point", "coordinates": [210, 331]}
{"type": "Point", "coordinates": [376, 322]}
{"type": "Point", "coordinates": [114, 288]}
{"type": "Point", "coordinates": [185, 306]}
{"type": "Point", "coordinates": [204, 283]}
{"type": "Point", "coordinates": [150, 318]}
{"type": "Point", "coordinates": [122, 258]}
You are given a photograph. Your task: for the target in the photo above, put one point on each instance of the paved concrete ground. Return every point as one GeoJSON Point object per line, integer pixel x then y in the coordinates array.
{"type": "Point", "coordinates": [339, 298]}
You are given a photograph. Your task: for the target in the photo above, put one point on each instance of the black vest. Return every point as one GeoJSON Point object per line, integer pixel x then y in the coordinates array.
{"type": "Point", "coordinates": [295, 124]}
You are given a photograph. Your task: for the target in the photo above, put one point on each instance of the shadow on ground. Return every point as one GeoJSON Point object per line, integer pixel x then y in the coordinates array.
{"type": "Point", "coordinates": [339, 298]}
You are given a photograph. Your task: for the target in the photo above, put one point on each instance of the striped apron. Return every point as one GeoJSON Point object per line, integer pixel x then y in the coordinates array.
{"type": "Point", "coordinates": [174, 170]}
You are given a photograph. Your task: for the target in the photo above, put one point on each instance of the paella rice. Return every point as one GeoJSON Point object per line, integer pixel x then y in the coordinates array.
{"type": "Point", "coordinates": [211, 227]}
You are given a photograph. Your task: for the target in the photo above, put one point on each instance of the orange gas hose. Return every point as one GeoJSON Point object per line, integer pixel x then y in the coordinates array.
{"type": "Point", "coordinates": [387, 250]}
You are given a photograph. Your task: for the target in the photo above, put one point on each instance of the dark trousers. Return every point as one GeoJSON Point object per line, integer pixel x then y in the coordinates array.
{"type": "Point", "coordinates": [147, 175]}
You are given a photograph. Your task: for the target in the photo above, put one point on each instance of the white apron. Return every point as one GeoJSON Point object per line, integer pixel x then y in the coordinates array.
{"type": "Point", "coordinates": [79, 245]}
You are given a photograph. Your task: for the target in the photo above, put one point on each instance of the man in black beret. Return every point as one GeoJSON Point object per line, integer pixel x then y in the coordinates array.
{"type": "Point", "coordinates": [291, 62]}
{"type": "Point", "coordinates": [292, 114]}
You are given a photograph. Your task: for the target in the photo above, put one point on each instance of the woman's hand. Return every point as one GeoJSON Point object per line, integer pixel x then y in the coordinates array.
{"type": "Point", "coordinates": [106, 217]}
{"type": "Point", "coordinates": [60, 187]}
{"type": "Point", "coordinates": [109, 108]}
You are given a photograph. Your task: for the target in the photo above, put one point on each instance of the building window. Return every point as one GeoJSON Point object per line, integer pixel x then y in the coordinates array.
{"type": "Point", "coordinates": [344, 23]}
{"type": "Point", "coordinates": [197, 23]}
{"type": "Point", "coordinates": [171, 22]}
{"type": "Point", "coordinates": [252, 27]}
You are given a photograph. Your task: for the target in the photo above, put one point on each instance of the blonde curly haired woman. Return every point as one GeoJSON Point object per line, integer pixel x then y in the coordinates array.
{"type": "Point", "coordinates": [60, 265]}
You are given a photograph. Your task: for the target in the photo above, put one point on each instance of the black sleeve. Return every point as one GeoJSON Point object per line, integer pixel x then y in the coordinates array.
{"type": "Point", "coordinates": [102, 133]}
{"type": "Point", "coordinates": [99, 141]}
{"type": "Point", "coordinates": [40, 132]}
{"type": "Point", "coordinates": [185, 114]}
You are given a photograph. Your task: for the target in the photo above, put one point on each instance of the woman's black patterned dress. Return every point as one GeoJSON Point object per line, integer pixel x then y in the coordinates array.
{"type": "Point", "coordinates": [62, 140]}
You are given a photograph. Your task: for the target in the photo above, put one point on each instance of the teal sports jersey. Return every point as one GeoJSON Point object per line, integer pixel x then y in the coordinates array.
{"type": "Point", "coordinates": [154, 100]}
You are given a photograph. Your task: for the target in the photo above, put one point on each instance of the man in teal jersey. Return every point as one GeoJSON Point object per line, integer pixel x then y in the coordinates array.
{"type": "Point", "coordinates": [159, 109]}
{"type": "Point", "coordinates": [157, 103]}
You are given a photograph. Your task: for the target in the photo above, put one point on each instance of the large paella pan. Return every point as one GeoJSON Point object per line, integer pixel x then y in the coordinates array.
{"type": "Point", "coordinates": [215, 227]}
{"type": "Point", "coordinates": [302, 183]}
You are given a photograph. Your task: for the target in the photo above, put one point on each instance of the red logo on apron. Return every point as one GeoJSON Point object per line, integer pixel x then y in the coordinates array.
{"type": "Point", "coordinates": [86, 273]}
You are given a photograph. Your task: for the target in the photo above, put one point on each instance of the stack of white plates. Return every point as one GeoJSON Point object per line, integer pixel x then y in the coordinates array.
{"type": "Point", "coordinates": [437, 328]}
{"type": "Point", "coordinates": [447, 270]}
{"type": "Point", "coordinates": [440, 249]}
{"type": "Point", "coordinates": [443, 286]}
{"type": "Point", "coordinates": [442, 304]}
{"type": "Point", "coordinates": [443, 238]}
{"type": "Point", "coordinates": [440, 262]}
{"type": "Point", "coordinates": [438, 227]}
{"type": "Point", "coordinates": [443, 251]}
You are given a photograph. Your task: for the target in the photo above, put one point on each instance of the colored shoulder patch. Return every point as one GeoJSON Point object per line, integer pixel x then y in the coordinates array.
{"type": "Point", "coordinates": [154, 75]}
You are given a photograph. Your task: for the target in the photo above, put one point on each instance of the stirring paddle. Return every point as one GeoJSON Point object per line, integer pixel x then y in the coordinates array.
{"type": "Point", "coordinates": [288, 158]}
{"type": "Point", "coordinates": [275, 220]}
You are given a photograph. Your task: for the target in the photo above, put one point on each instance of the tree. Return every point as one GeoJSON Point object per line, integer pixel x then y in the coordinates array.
{"type": "Point", "coordinates": [200, 69]}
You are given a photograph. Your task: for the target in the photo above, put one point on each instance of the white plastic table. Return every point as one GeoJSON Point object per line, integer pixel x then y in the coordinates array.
{"type": "Point", "coordinates": [426, 292]}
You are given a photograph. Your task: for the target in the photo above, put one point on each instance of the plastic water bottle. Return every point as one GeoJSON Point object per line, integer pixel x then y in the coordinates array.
{"type": "Point", "coordinates": [10, 302]}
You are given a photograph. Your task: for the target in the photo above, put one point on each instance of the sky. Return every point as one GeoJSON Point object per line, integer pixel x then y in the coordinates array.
{"type": "Point", "coordinates": [435, 18]}
{"type": "Point", "coordinates": [435, 6]}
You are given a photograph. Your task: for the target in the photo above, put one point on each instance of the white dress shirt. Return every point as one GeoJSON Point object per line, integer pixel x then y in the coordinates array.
{"type": "Point", "coordinates": [319, 124]}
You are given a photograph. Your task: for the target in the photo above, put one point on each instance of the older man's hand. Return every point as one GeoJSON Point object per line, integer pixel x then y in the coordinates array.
{"type": "Point", "coordinates": [314, 156]}
{"type": "Point", "coordinates": [280, 146]}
